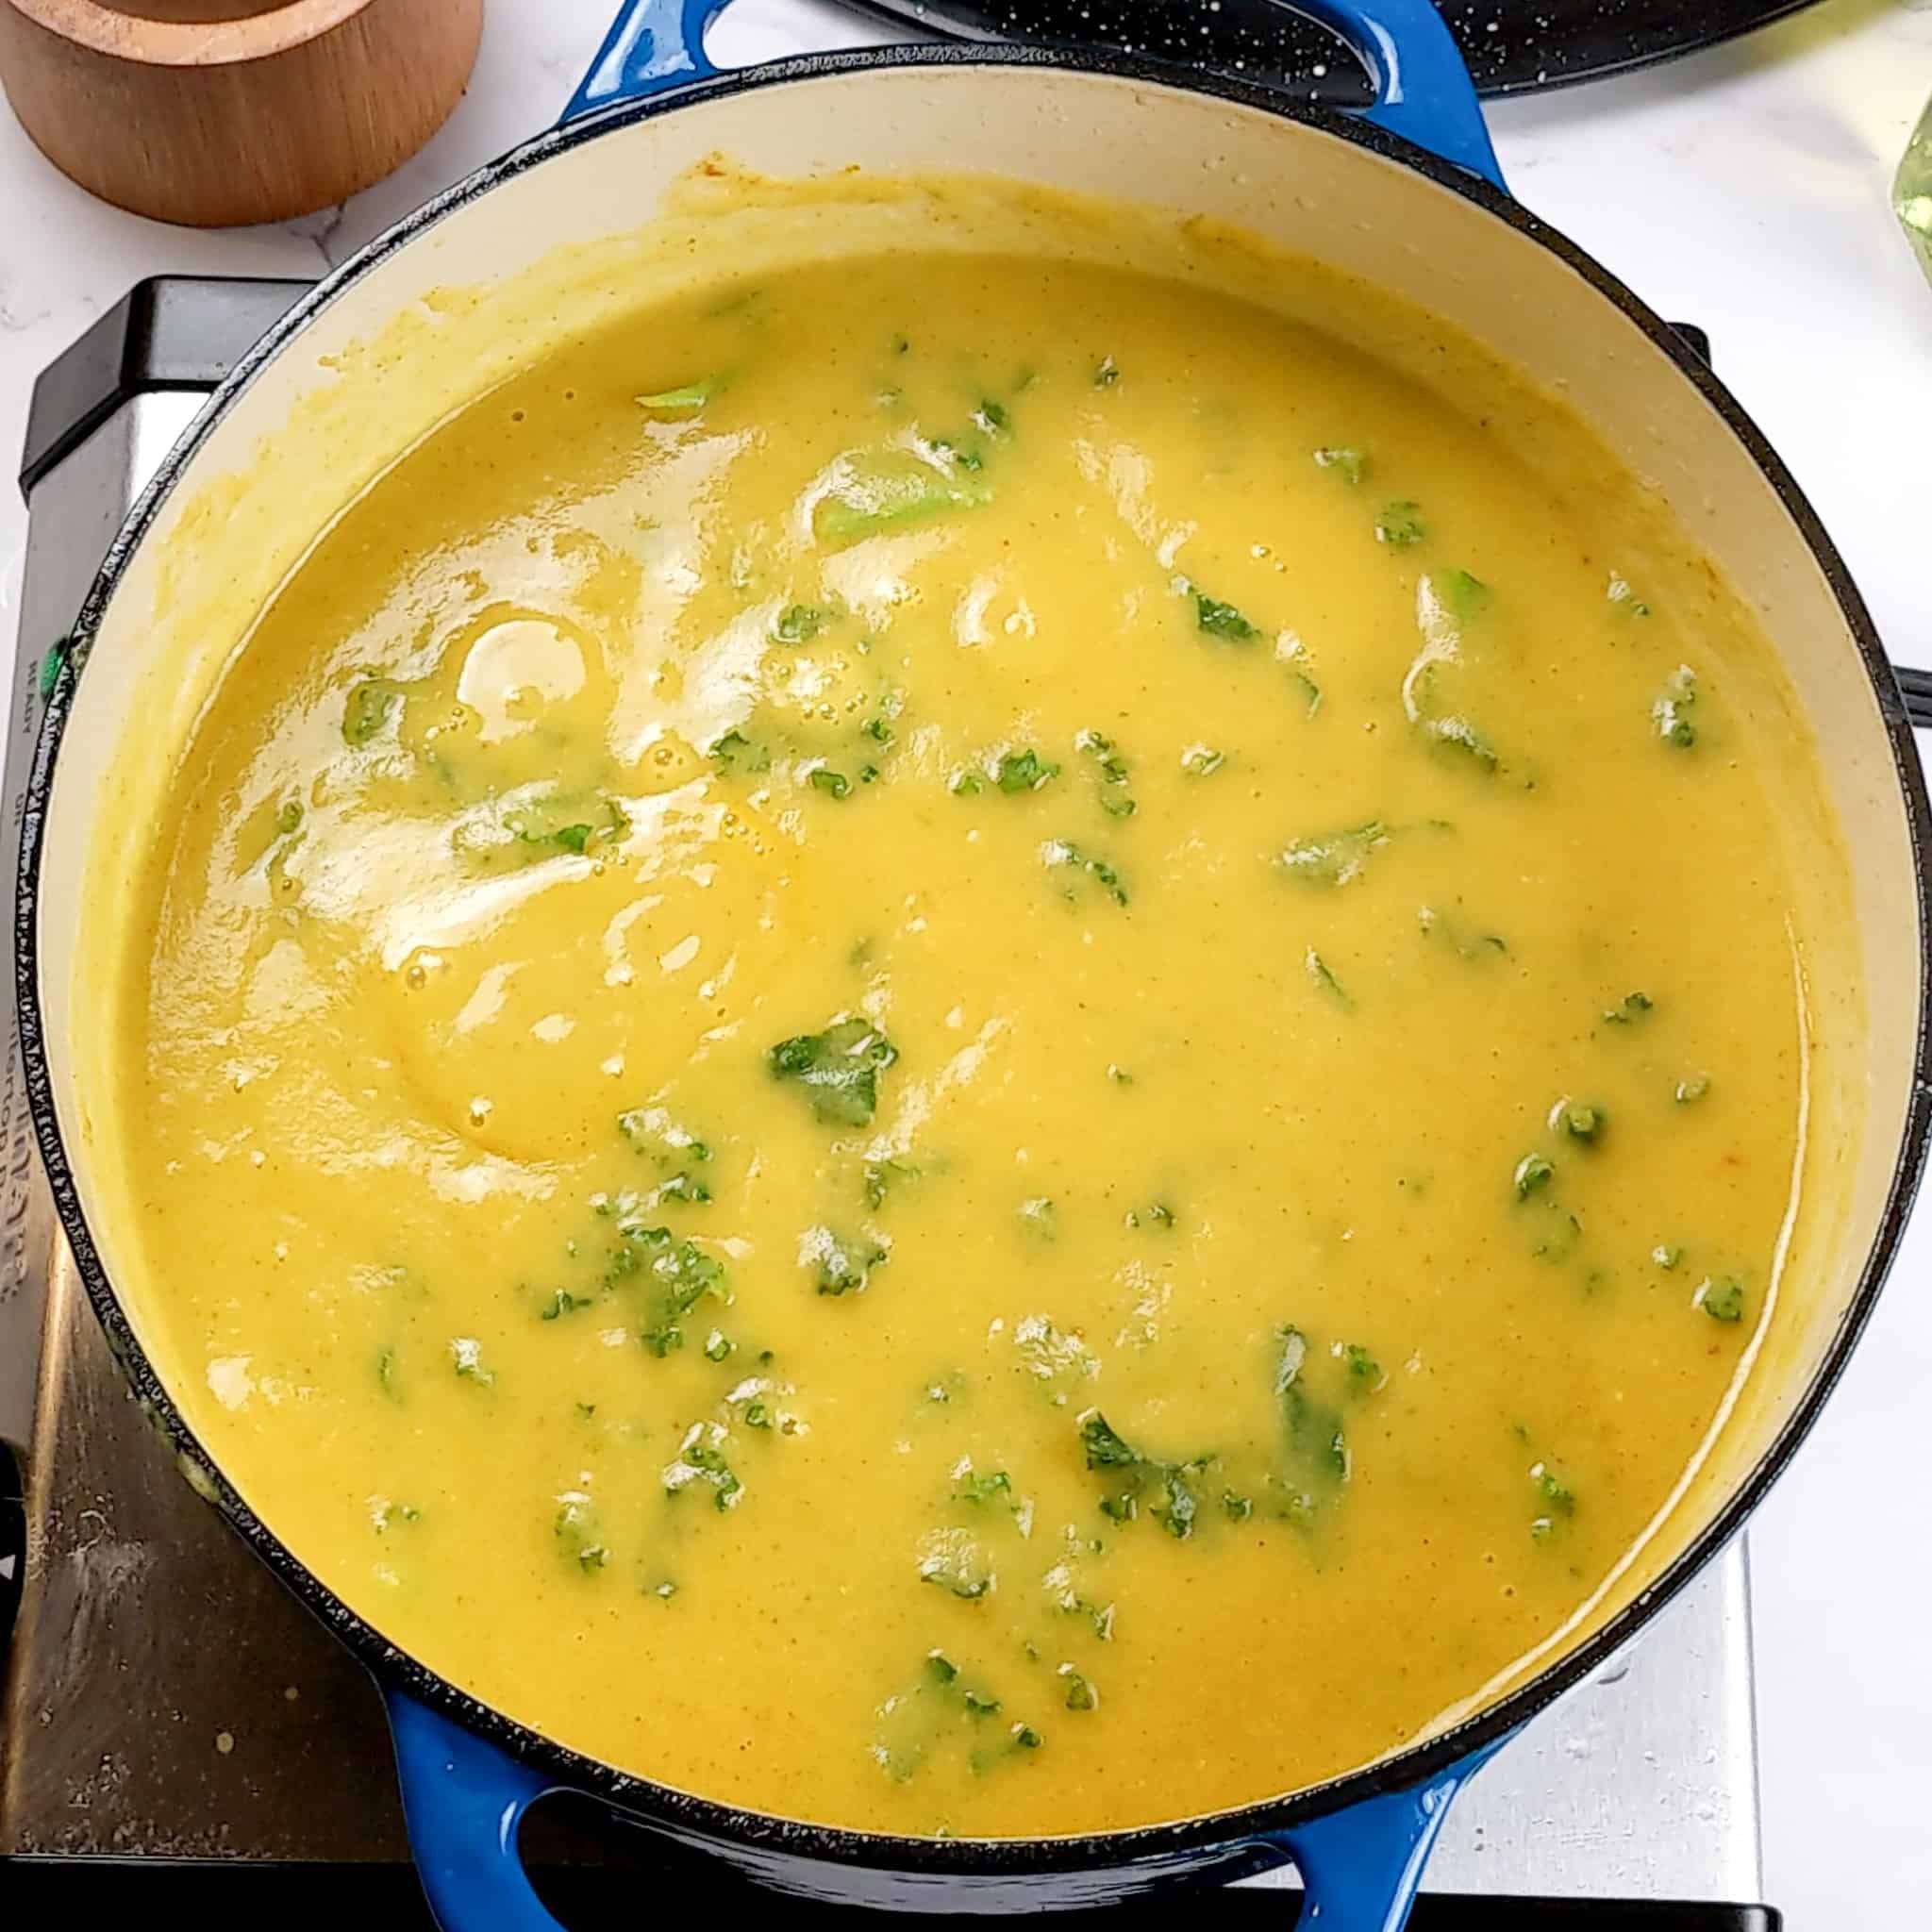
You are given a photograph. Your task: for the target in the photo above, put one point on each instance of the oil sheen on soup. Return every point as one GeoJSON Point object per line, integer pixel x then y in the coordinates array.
{"type": "Point", "coordinates": [966, 1044]}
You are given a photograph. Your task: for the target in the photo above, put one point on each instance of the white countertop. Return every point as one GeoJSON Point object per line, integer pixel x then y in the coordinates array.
{"type": "Point", "coordinates": [1744, 190]}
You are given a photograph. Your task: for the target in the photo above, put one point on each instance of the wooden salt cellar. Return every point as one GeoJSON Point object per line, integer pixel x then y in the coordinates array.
{"type": "Point", "coordinates": [220, 112]}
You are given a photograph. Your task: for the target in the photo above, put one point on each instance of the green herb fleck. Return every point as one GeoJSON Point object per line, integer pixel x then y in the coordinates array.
{"type": "Point", "coordinates": [1038, 1217]}
{"type": "Point", "coordinates": [889, 500]}
{"type": "Point", "coordinates": [1401, 526]}
{"type": "Point", "coordinates": [1106, 372]}
{"type": "Point", "coordinates": [1626, 600]}
{"type": "Point", "coordinates": [1319, 971]}
{"type": "Point", "coordinates": [1629, 1009]}
{"type": "Point", "coordinates": [970, 1486]}
{"type": "Point", "coordinates": [798, 623]}
{"type": "Point", "coordinates": [962, 455]}
{"type": "Point", "coordinates": [1235, 1509]}
{"type": "Point", "coordinates": [1533, 1174]}
{"type": "Point", "coordinates": [1317, 1461]}
{"type": "Point", "coordinates": [652, 1131]}
{"type": "Point", "coordinates": [1579, 1122]}
{"type": "Point", "coordinates": [841, 1267]}
{"type": "Point", "coordinates": [1557, 1499]}
{"type": "Point", "coordinates": [882, 1176]}
{"type": "Point", "coordinates": [1470, 945]}
{"type": "Point", "coordinates": [564, 1303]}
{"type": "Point", "coordinates": [1221, 620]}
{"type": "Point", "coordinates": [1177, 1503]}
{"type": "Point", "coordinates": [1023, 771]}
{"type": "Point", "coordinates": [466, 1358]}
{"type": "Point", "coordinates": [539, 825]}
{"type": "Point", "coordinates": [681, 1276]}
{"type": "Point", "coordinates": [1457, 734]}
{"type": "Point", "coordinates": [1060, 852]}
{"type": "Point", "coordinates": [734, 752]}
{"type": "Point", "coordinates": [1692, 1090]}
{"type": "Point", "coordinates": [577, 1530]}
{"type": "Point", "coordinates": [1363, 1369]}
{"type": "Point", "coordinates": [701, 1461]}
{"type": "Point", "coordinates": [1722, 1300]}
{"type": "Point", "coordinates": [1113, 773]}
{"type": "Point", "coordinates": [1665, 1255]}
{"type": "Point", "coordinates": [1554, 1490]}
{"type": "Point", "coordinates": [1105, 1447]}
{"type": "Point", "coordinates": [1081, 1695]}
{"type": "Point", "coordinates": [716, 1348]}
{"type": "Point", "coordinates": [1671, 712]}
{"type": "Point", "coordinates": [833, 784]}
{"type": "Point", "coordinates": [1201, 761]}
{"type": "Point", "coordinates": [1465, 596]}
{"type": "Point", "coordinates": [1351, 465]}
{"type": "Point", "coordinates": [1337, 857]}
{"type": "Point", "coordinates": [370, 705]}
{"type": "Point", "coordinates": [837, 1068]}
{"type": "Point", "coordinates": [954, 1563]}
{"type": "Point", "coordinates": [690, 396]}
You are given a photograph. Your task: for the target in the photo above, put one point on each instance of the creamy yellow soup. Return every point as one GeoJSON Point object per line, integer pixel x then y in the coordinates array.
{"type": "Point", "coordinates": [956, 1043]}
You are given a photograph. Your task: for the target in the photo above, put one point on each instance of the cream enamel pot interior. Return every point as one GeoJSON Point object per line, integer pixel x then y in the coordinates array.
{"type": "Point", "coordinates": [1407, 198]}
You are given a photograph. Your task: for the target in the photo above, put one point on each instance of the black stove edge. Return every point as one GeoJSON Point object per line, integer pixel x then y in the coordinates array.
{"type": "Point", "coordinates": [185, 332]}
{"type": "Point", "coordinates": [169, 332]}
{"type": "Point", "coordinates": [301, 1895]}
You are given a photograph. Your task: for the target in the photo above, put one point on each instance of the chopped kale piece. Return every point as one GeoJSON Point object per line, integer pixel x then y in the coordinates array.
{"type": "Point", "coordinates": [837, 1068]}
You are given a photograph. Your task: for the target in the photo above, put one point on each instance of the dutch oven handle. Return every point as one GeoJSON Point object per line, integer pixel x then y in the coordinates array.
{"type": "Point", "coordinates": [464, 1801]}
{"type": "Point", "coordinates": [463, 1797]}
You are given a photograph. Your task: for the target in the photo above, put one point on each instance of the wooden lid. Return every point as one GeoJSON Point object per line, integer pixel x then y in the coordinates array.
{"type": "Point", "coordinates": [216, 113]}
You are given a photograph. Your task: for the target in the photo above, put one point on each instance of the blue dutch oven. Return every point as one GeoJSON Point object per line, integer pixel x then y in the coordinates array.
{"type": "Point", "coordinates": [1408, 194]}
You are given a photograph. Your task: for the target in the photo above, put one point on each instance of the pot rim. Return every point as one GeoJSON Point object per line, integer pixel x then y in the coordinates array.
{"type": "Point", "coordinates": [687, 1814]}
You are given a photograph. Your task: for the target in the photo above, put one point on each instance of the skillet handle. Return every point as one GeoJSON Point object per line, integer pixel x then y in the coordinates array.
{"type": "Point", "coordinates": [1360, 1867]}
{"type": "Point", "coordinates": [463, 1800]}
{"type": "Point", "coordinates": [1422, 90]}
{"type": "Point", "coordinates": [1915, 687]}
{"type": "Point", "coordinates": [653, 44]}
